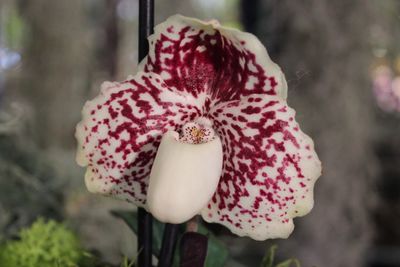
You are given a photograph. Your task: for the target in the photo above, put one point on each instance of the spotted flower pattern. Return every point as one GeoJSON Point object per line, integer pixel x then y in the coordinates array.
{"type": "Point", "coordinates": [201, 71]}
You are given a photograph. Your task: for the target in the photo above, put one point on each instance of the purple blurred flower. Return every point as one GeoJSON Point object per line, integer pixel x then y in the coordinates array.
{"type": "Point", "coordinates": [386, 89]}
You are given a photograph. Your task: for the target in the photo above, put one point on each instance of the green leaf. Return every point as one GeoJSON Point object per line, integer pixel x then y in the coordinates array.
{"type": "Point", "coordinates": [176, 259]}
{"type": "Point", "coordinates": [268, 259]}
{"type": "Point", "coordinates": [127, 263]}
{"type": "Point", "coordinates": [217, 251]}
{"type": "Point", "coordinates": [289, 263]}
{"type": "Point", "coordinates": [131, 219]}
{"type": "Point", "coordinates": [44, 244]}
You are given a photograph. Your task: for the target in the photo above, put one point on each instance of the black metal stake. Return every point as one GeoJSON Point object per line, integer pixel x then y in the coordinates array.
{"type": "Point", "coordinates": [145, 220]}
{"type": "Point", "coordinates": [145, 233]}
{"type": "Point", "coordinates": [168, 245]}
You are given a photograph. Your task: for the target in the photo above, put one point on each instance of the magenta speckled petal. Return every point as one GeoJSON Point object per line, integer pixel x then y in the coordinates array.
{"type": "Point", "coordinates": [207, 83]}
{"type": "Point", "coordinates": [203, 58]}
{"type": "Point", "coordinates": [121, 130]}
{"type": "Point", "coordinates": [269, 168]}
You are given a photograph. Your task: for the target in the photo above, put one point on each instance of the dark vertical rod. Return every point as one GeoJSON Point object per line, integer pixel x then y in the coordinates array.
{"type": "Point", "coordinates": [112, 38]}
{"type": "Point", "coordinates": [146, 25]}
{"type": "Point", "coordinates": [168, 245]}
{"type": "Point", "coordinates": [145, 220]}
{"type": "Point", "coordinates": [145, 235]}
{"type": "Point", "coordinates": [249, 13]}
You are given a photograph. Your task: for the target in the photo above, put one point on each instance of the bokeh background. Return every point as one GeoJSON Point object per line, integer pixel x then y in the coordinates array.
{"type": "Point", "coordinates": [342, 62]}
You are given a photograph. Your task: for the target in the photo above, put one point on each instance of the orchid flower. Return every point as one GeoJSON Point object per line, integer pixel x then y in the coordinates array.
{"type": "Point", "coordinates": [202, 128]}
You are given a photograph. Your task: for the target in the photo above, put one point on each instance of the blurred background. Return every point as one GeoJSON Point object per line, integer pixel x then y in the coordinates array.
{"type": "Point", "coordinates": [342, 62]}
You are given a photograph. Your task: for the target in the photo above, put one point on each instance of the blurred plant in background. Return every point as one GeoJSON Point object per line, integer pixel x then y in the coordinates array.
{"type": "Point", "coordinates": [52, 244]}
{"type": "Point", "coordinates": [44, 244]}
{"type": "Point", "coordinates": [27, 185]}
{"type": "Point", "coordinates": [386, 89]}
{"type": "Point", "coordinates": [269, 259]}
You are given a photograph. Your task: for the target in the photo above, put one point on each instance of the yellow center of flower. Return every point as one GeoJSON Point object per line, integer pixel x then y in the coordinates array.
{"type": "Point", "coordinates": [197, 132]}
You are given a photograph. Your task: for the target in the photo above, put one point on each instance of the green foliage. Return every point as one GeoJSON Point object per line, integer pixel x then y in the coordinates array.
{"type": "Point", "coordinates": [269, 258]}
{"type": "Point", "coordinates": [128, 263]}
{"type": "Point", "coordinates": [289, 263]}
{"type": "Point", "coordinates": [14, 28]}
{"type": "Point", "coordinates": [217, 252]}
{"type": "Point", "coordinates": [44, 244]}
{"type": "Point", "coordinates": [131, 218]}
{"type": "Point", "coordinates": [29, 185]}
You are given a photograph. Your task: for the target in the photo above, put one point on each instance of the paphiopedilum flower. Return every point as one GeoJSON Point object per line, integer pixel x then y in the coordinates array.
{"type": "Point", "coordinates": [202, 128]}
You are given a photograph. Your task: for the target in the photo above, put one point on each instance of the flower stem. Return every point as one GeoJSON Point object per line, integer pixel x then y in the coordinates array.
{"type": "Point", "coordinates": [168, 245]}
{"type": "Point", "coordinates": [193, 250]}
{"type": "Point", "coordinates": [192, 225]}
{"type": "Point", "coordinates": [193, 245]}
{"type": "Point", "coordinates": [145, 220]}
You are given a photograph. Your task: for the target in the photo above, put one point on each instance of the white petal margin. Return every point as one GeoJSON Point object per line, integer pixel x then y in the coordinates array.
{"type": "Point", "coordinates": [244, 40]}
{"type": "Point", "coordinates": [254, 45]}
{"type": "Point", "coordinates": [183, 178]}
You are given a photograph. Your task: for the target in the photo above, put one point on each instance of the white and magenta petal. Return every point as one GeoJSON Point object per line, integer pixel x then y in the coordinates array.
{"type": "Point", "coordinates": [205, 59]}
{"type": "Point", "coordinates": [120, 132]}
{"type": "Point", "coordinates": [218, 100]}
{"type": "Point", "coordinates": [269, 168]}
